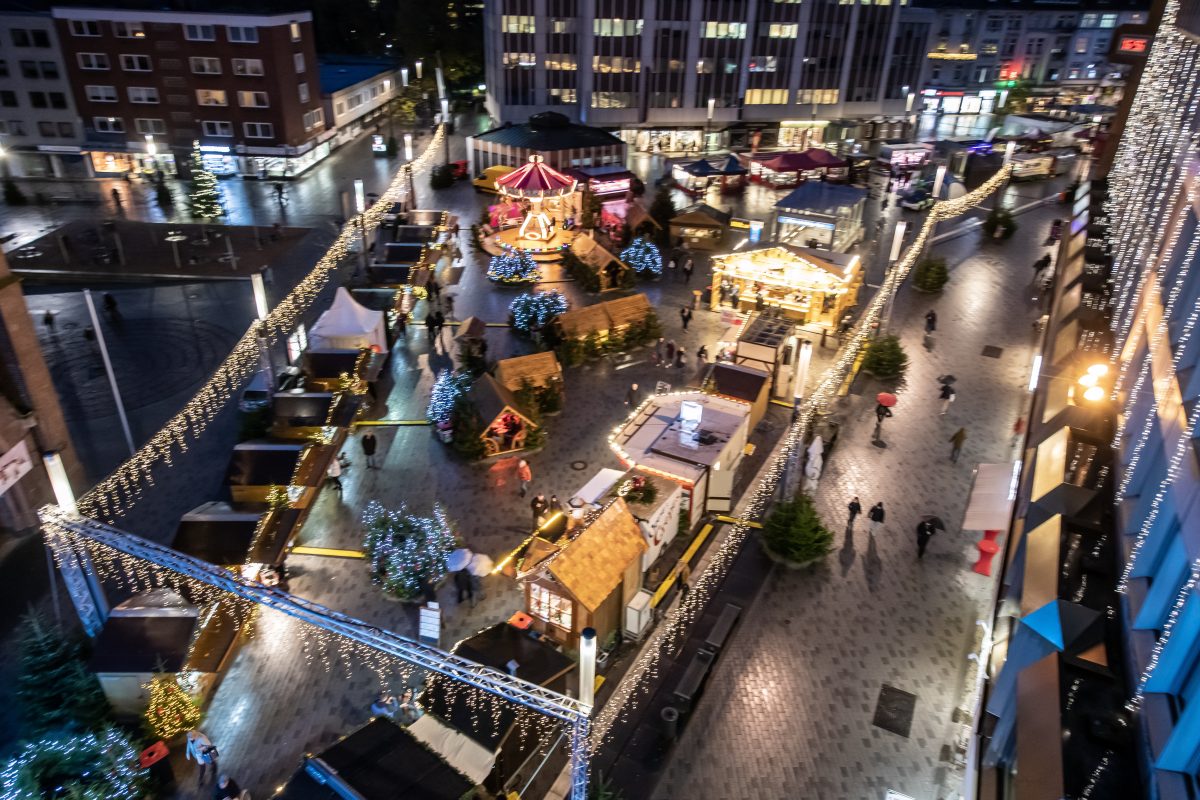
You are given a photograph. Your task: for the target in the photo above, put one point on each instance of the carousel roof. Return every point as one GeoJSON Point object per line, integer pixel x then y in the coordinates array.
{"type": "Point", "coordinates": [535, 179]}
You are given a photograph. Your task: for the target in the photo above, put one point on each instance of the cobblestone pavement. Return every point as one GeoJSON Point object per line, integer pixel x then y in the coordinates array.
{"type": "Point", "coordinates": [788, 713]}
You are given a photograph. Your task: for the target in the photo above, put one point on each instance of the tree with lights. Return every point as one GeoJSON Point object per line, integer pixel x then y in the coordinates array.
{"type": "Point", "coordinates": [643, 257]}
{"type": "Point", "coordinates": [55, 687]}
{"type": "Point", "coordinates": [407, 551]}
{"type": "Point", "coordinates": [448, 387]}
{"type": "Point", "coordinates": [515, 266]}
{"type": "Point", "coordinates": [171, 710]}
{"type": "Point", "coordinates": [535, 310]}
{"type": "Point", "coordinates": [205, 198]}
{"type": "Point", "coordinates": [88, 766]}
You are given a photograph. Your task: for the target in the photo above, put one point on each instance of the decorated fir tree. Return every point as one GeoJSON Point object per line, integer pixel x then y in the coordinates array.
{"type": "Point", "coordinates": [171, 711]}
{"type": "Point", "coordinates": [643, 257]}
{"type": "Point", "coordinates": [448, 387]}
{"type": "Point", "coordinates": [54, 686]}
{"type": "Point", "coordinates": [515, 266]}
{"type": "Point", "coordinates": [407, 551]}
{"type": "Point", "coordinates": [79, 766]}
{"type": "Point", "coordinates": [205, 197]}
{"type": "Point", "coordinates": [536, 310]}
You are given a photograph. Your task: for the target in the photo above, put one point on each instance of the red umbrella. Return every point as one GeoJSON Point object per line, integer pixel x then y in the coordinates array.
{"type": "Point", "coordinates": [886, 399]}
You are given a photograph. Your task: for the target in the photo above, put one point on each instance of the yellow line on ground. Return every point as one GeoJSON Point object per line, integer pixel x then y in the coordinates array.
{"type": "Point", "coordinates": [783, 403]}
{"type": "Point", "coordinates": [686, 557]}
{"type": "Point", "coordinates": [736, 521]}
{"type": "Point", "coordinates": [331, 552]}
{"type": "Point", "coordinates": [391, 422]}
{"type": "Point", "coordinates": [844, 389]}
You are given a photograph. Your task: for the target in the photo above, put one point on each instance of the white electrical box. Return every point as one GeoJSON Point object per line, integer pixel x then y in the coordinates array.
{"type": "Point", "coordinates": [638, 615]}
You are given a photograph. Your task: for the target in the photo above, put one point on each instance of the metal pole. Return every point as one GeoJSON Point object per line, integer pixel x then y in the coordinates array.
{"type": "Point", "coordinates": [175, 252]}
{"type": "Point", "coordinates": [229, 249]}
{"type": "Point", "coordinates": [112, 379]}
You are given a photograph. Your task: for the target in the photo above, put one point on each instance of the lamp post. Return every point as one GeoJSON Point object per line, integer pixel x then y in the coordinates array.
{"type": "Point", "coordinates": [404, 76]}
{"type": "Point", "coordinates": [112, 378]}
{"type": "Point", "coordinates": [587, 667]}
{"type": "Point", "coordinates": [418, 65]}
{"type": "Point", "coordinates": [360, 206]}
{"type": "Point", "coordinates": [712, 106]}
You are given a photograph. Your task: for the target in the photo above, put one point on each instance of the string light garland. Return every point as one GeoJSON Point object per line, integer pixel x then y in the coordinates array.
{"type": "Point", "coordinates": [407, 552]}
{"type": "Point", "coordinates": [534, 311]}
{"type": "Point", "coordinates": [115, 495]}
{"type": "Point", "coordinates": [87, 766]}
{"type": "Point", "coordinates": [672, 631]}
{"type": "Point", "coordinates": [514, 266]}
{"type": "Point", "coordinates": [643, 257]}
{"type": "Point", "coordinates": [448, 388]}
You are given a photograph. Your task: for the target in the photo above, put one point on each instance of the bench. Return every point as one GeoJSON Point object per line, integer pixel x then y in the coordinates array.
{"type": "Point", "coordinates": [723, 627]}
{"type": "Point", "coordinates": [693, 678]}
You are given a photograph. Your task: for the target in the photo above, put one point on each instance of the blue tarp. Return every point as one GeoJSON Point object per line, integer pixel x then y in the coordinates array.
{"type": "Point", "coordinates": [822, 197]}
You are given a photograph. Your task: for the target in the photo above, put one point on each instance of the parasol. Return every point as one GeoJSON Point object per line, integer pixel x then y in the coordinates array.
{"type": "Point", "coordinates": [886, 399]}
{"type": "Point", "coordinates": [935, 522]}
{"type": "Point", "coordinates": [480, 565]}
{"type": "Point", "coordinates": [458, 559]}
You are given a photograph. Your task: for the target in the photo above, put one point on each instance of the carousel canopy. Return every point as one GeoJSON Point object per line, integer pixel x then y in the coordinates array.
{"type": "Point", "coordinates": [535, 179]}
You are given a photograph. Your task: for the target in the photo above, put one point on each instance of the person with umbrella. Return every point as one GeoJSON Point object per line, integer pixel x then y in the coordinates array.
{"type": "Point", "coordinates": [883, 409]}
{"type": "Point", "coordinates": [930, 322]}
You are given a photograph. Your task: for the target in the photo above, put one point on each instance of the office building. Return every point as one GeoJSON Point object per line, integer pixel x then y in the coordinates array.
{"type": "Point", "coordinates": [683, 76]}
{"type": "Point", "coordinates": [148, 84]}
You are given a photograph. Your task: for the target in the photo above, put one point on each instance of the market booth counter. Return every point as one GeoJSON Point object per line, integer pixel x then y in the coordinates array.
{"type": "Point", "coordinates": [255, 468]}
{"type": "Point", "coordinates": [795, 282]}
{"type": "Point", "coordinates": [326, 370]}
{"type": "Point", "coordinates": [309, 415]}
{"type": "Point", "coordinates": [700, 226]}
{"type": "Point", "coordinates": [254, 543]}
{"type": "Point", "coordinates": [506, 423]}
{"type": "Point", "coordinates": [159, 632]}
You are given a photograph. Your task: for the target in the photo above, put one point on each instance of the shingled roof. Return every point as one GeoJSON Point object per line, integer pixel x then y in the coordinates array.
{"type": "Point", "coordinates": [594, 562]}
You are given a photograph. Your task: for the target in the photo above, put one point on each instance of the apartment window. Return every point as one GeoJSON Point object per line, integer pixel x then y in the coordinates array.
{"type": "Point", "coordinates": [216, 128]}
{"type": "Point", "coordinates": [243, 34]}
{"type": "Point", "coordinates": [253, 99]}
{"type": "Point", "coordinates": [3, 69]}
{"type": "Point", "coordinates": [817, 96]}
{"type": "Point", "coordinates": [259, 130]}
{"type": "Point", "coordinates": [20, 37]}
{"type": "Point", "coordinates": [766, 97]}
{"type": "Point", "coordinates": [205, 66]}
{"type": "Point", "coordinates": [101, 94]}
{"type": "Point", "coordinates": [995, 23]}
{"type": "Point", "coordinates": [199, 33]}
{"type": "Point", "coordinates": [616, 64]}
{"type": "Point", "coordinates": [1089, 21]}
{"type": "Point", "coordinates": [247, 66]}
{"type": "Point", "coordinates": [8, 99]}
{"type": "Point", "coordinates": [129, 30]}
{"type": "Point", "coordinates": [562, 26]}
{"type": "Point", "coordinates": [777, 31]}
{"type": "Point", "coordinates": [762, 64]}
{"type": "Point", "coordinates": [92, 60]}
{"type": "Point", "coordinates": [989, 47]}
{"type": "Point", "coordinates": [49, 70]}
{"type": "Point", "coordinates": [29, 69]}
{"type": "Point", "coordinates": [511, 60]}
{"type": "Point", "coordinates": [47, 130]}
{"type": "Point", "coordinates": [1082, 44]}
{"type": "Point", "coordinates": [516, 23]}
{"type": "Point", "coordinates": [16, 127]}
{"type": "Point", "coordinates": [150, 127]}
{"type": "Point", "coordinates": [66, 130]}
{"type": "Point", "coordinates": [1108, 20]}
{"type": "Point", "coordinates": [295, 27]}
{"type": "Point", "coordinates": [143, 94]}
{"type": "Point", "coordinates": [134, 63]}
{"type": "Point", "coordinates": [84, 27]}
{"type": "Point", "coordinates": [339, 109]}
{"type": "Point", "coordinates": [561, 61]}
{"type": "Point", "coordinates": [313, 118]}
{"type": "Point", "coordinates": [38, 100]}
{"type": "Point", "coordinates": [1072, 74]}
{"type": "Point", "coordinates": [617, 27]}
{"type": "Point", "coordinates": [559, 97]}
{"type": "Point", "coordinates": [614, 99]}
{"type": "Point", "coordinates": [211, 97]}
{"type": "Point", "coordinates": [298, 62]}
{"type": "Point", "coordinates": [725, 30]}
{"type": "Point", "coordinates": [303, 91]}
{"type": "Point", "coordinates": [108, 124]}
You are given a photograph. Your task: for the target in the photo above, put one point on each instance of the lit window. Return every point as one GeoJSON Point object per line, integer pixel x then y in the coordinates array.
{"type": "Point", "coordinates": [108, 124]}
{"type": "Point", "coordinates": [295, 28]}
{"type": "Point", "coordinates": [1108, 20]}
{"type": "Point", "coordinates": [546, 605]}
{"type": "Point", "coordinates": [616, 64]}
{"type": "Point", "coordinates": [1089, 21]}
{"type": "Point", "coordinates": [303, 91]}
{"type": "Point", "coordinates": [817, 96]}
{"type": "Point", "coordinates": [297, 62]}
{"type": "Point", "coordinates": [135, 63]}
{"type": "Point", "coordinates": [253, 99]}
{"type": "Point", "coordinates": [216, 128]}
{"type": "Point", "coordinates": [92, 60]}
{"type": "Point", "coordinates": [557, 97]}
{"type": "Point", "coordinates": [561, 61]}
{"type": "Point", "coordinates": [514, 60]}
{"type": "Point", "coordinates": [778, 31]}
{"type": "Point", "coordinates": [211, 97]}
{"type": "Point", "coordinates": [313, 119]}
{"type": "Point", "coordinates": [143, 94]}
{"type": "Point", "coordinates": [205, 66]}
{"type": "Point", "coordinates": [129, 30]}
{"type": "Point", "coordinates": [1082, 44]}
{"type": "Point", "coordinates": [150, 127]}
{"type": "Point", "coordinates": [766, 97]}
{"type": "Point", "coordinates": [517, 23]}
{"type": "Point", "coordinates": [84, 27]}
{"type": "Point", "coordinates": [259, 130]}
{"type": "Point", "coordinates": [101, 94]}
{"type": "Point", "coordinates": [248, 66]}
{"type": "Point", "coordinates": [614, 99]}
{"type": "Point", "coordinates": [242, 34]}
{"type": "Point", "coordinates": [762, 64]}
{"type": "Point", "coordinates": [617, 27]}
{"type": "Point", "coordinates": [724, 30]}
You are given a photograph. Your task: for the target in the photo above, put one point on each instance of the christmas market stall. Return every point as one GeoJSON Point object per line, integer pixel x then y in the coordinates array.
{"type": "Point", "coordinates": [585, 579]}
{"type": "Point", "coordinates": [382, 760]}
{"type": "Point", "coordinates": [335, 370]}
{"type": "Point", "coordinates": [606, 271]}
{"type": "Point", "coordinates": [539, 372]}
{"type": "Point", "coordinates": [692, 438]}
{"type": "Point", "coordinates": [252, 542]}
{"type": "Point", "coordinates": [506, 425]}
{"type": "Point", "coordinates": [765, 344]}
{"type": "Point", "coordinates": [308, 416]}
{"type": "Point", "coordinates": [794, 282]}
{"type": "Point", "coordinates": [259, 468]}
{"type": "Point", "coordinates": [346, 325]}
{"type": "Point", "coordinates": [821, 216]}
{"type": "Point", "coordinates": [697, 177]}
{"type": "Point", "coordinates": [158, 632]}
{"type": "Point", "coordinates": [471, 338]}
{"type": "Point", "coordinates": [700, 227]}
{"type": "Point", "coordinates": [741, 382]}
{"type": "Point", "coordinates": [603, 322]}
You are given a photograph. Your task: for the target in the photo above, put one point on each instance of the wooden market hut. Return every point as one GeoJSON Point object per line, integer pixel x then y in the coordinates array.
{"type": "Point", "coordinates": [601, 318]}
{"type": "Point", "coordinates": [471, 336]}
{"type": "Point", "coordinates": [814, 288]}
{"type": "Point", "coordinates": [742, 382]}
{"type": "Point", "coordinates": [247, 540]}
{"type": "Point", "coordinates": [588, 579]}
{"type": "Point", "coordinates": [700, 226]}
{"type": "Point", "coordinates": [607, 267]}
{"type": "Point", "coordinates": [505, 423]}
{"type": "Point", "coordinates": [539, 370]}
{"type": "Point", "coordinates": [625, 311]}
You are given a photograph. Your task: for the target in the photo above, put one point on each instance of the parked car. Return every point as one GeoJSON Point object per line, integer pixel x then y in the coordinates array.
{"type": "Point", "coordinates": [916, 201]}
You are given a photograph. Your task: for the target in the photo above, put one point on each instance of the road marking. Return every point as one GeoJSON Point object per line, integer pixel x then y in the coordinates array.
{"type": "Point", "coordinates": [736, 521]}
{"type": "Point", "coordinates": [391, 422]}
{"type": "Point", "coordinates": [685, 558]}
{"type": "Point", "coordinates": [329, 552]}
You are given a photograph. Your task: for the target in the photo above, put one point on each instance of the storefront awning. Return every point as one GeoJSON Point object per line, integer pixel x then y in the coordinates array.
{"type": "Point", "coordinates": [992, 495]}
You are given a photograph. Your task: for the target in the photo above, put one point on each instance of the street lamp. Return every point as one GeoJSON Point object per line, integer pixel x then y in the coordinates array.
{"type": "Point", "coordinates": [419, 64]}
{"type": "Point", "coordinates": [712, 106]}
{"type": "Point", "coordinates": [404, 76]}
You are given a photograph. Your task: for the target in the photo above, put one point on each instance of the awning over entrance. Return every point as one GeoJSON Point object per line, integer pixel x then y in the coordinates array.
{"type": "Point", "coordinates": [992, 495]}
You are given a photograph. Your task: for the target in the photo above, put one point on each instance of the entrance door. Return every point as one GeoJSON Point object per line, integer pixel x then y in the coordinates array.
{"type": "Point", "coordinates": [720, 489]}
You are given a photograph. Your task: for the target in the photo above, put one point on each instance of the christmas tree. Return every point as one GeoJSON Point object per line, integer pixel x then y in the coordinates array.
{"type": "Point", "coordinates": [447, 389]}
{"type": "Point", "coordinates": [515, 266]}
{"type": "Point", "coordinates": [205, 198]}
{"type": "Point", "coordinates": [407, 551]}
{"type": "Point", "coordinates": [54, 686]}
{"type": "Point", "coordinates": [643, 257]}
{"type": "Point", "coordinates": [88, 766]}
{"type": "Point", "coordinates": [171, 710]}
{"type": "Point", "coordinates": [536, 310]}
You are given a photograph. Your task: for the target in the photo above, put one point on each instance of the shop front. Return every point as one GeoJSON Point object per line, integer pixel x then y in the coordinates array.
{"type": "Point", "coordinates": [106, 163]}
{"type": "Point", "coordinates": [48, 161]}
{"type": "Point", "coordinates": [941, 101]}
{"type": "Point", "coordinates": [802, 134]}
{"type": "Point", "coordinates": [670, 140]}
{"type": "Point", "coordinates": [793, 282]}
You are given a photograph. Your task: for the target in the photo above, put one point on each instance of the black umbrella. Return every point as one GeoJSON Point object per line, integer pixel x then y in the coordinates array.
{"type": "Point", "coordinates": [946, 379]}
{"type": "Point", "coordinates": [936, 522]}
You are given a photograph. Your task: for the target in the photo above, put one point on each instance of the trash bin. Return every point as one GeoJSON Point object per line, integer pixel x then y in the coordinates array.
{"type": "Point", "coordinates": [670, 723]}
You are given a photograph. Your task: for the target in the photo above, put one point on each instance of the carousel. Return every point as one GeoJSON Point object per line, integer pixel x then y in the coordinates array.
{"type": "Point", "coordinates": [536, 212]}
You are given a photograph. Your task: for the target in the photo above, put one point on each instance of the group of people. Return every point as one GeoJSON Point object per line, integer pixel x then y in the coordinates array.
{"type": "Point", "coordinates": [926, 528]}
{"type": "Point", "coordinates": [199, 748]}
{"type": "Point", "coordinates": [404, 711]}
{"type": "Point", "coordinates": [681, 264]}
{"type": "Point", "coordinates": [669, 354]}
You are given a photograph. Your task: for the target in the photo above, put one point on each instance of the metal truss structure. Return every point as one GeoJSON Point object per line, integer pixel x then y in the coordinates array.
{"type": "Point", "coordinates": [63, 532]}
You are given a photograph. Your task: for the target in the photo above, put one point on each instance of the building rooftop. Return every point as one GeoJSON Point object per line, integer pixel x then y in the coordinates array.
{"type": "Point", "coordinates": [549, 131]}
{"type": "Point", "coordinates": [821, 197]}
{"type": "Point", "coordinates": [654, 439]}
{"type": "Point", "coordinates": [339, 73]}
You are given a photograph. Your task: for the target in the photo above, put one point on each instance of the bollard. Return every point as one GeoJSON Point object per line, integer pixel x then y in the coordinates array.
{"type": "Point", "coordinates": [669, 717]}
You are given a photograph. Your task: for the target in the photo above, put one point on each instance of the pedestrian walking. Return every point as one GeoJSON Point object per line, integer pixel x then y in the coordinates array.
{"type": "Point", "coordinates": [957, 440]}
{"type": "Point", "coordinates": [116, 196]}
{"type": "Point", "coordinates": [947, 397]}
{"type": "Point", "coordinates": [448, 304]}
{"type": "Point", "coordinates": [369, 443]}
{"type": "Point", "coordinates": [925, 531]}
{"type": "Point", "coordinates": [672, 266]}
{"type": "Point", "coordinates": [434, 288]}
{"type": "Point", "coordinates": [930, 321]}
{"type": "Point", "coordinates": [855, 509]}
{"type": "Point", "coordinates": [670, 352]}
{"type": "Point", "coordinates": [680, 358]}
{"type": "Point", "coordinates": [439, 322]}
{"type": "Point", "coordinates": [685, 314]}
{"type": "Point", "coordinates": [723, 292]}
{"type": "Point", "coordinates": [631, 396]}
{"type": "Point", "coordinates": [464, 585]}
{"type": "Point", "coordinates": [882, 412]}
{"type": "Point", "coordinates": [876, 516]}
{"type": "Point", "coordinates": [333, 474]}
{"type": "Point", "coordinates": [688, 267]}
{"type": "Point", "coordinates": [48, 319]}
{"type": "Point", "coordinates": [1018, 430]}
{"type": "Point", "coordinates": [524, 475]}
{"type": "Point", "coordinates": [659, 348]}
{"type": "Point", "coordinates": [431, 327]}
{"type": "Point", "coordinates": [685, 579]}
{"type": "Point", "coordinates": [702, 354]}
{"type": "Point", "coordinates": [733, 298]}
{"type": "Point", "coordinates": [201, 750]}
{"type": "Point", "coordinates": [227, 789]}
{"type": "Point", "coordinates": [539, 506]}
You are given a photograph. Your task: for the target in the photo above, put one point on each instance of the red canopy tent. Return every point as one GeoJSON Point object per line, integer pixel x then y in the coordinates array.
{"type": "Point", "coordinates": [535, 180]}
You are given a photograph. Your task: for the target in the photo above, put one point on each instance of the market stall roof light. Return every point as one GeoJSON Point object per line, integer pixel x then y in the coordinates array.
{"type": "Point", "coordinates": [1087, 379]}
{"type": "Point", "coordinates": [1094, 394]}
{"type": "Point", "coordinates": [1099, 370]}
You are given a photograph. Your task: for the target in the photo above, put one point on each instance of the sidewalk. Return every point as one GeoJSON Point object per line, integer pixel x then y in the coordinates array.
{"type": "Point", "coordinates": [789, 709]}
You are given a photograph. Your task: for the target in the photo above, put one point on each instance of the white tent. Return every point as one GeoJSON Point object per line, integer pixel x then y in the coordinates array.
{"type": "Point", "coordinates": [348, 326]}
